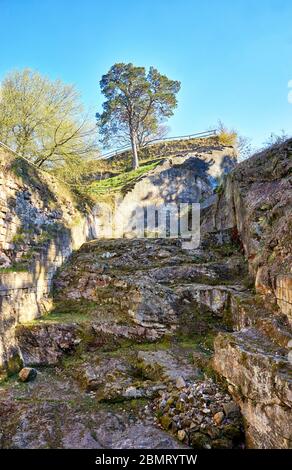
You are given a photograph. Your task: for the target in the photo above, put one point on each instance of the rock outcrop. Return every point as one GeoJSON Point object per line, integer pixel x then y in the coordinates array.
{"type": "Point", "coordinates": [128, 317]}
{"type": "Point", "coordinates": [148, 341]}
{"type": "Point", "coordinates": [41, 222]}
{"type": "Point", "coordinates": [255, 203]}
{"type": "Point", "coordinates": [188, 178]}
{"type": "Point", "coordinates": [259, 377]}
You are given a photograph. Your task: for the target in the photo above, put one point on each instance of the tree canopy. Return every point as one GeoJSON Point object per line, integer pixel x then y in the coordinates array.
{"type": "Point", "coordinates": [43, 120]}
{"type": "Point", "coordinates": [136, 104]}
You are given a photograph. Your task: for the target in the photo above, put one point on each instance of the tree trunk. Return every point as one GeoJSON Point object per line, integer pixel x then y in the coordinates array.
{"type": "Point", "coordinates": [135, 161]}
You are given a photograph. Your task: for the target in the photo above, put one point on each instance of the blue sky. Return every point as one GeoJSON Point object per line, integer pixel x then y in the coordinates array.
{"type": "Point", "coordinates": [234, 58]}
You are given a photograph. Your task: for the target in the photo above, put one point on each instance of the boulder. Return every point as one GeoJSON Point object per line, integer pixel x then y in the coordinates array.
{"type": "Point", "coordinates": [27, 374]}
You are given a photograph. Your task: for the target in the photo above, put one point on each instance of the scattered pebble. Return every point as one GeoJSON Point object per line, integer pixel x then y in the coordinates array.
{"type": "Point", "coordinates": [200, 414]}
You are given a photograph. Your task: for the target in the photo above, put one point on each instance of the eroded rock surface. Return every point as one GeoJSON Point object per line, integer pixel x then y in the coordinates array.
{"type": "Point", "coordinates": [259, 375]}
{"type": "Point", "coordinates": [133, 322]}
{"type": "Point", "coordinates": [127, 356]}
{"type": "Point", "coordinates": [41, 222]}
{"type": "Point", "coordinates": [255, 204]}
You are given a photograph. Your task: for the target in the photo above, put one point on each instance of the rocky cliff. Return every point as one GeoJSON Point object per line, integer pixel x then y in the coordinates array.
{"type": "Point", "coordinates": [148, 344]}
{"type": "Point", "coordinates": [255, 202]}
{"type": "Point", "coordinates": [184, 178]}
{"type": "Point", "coordinates": [41, 222]}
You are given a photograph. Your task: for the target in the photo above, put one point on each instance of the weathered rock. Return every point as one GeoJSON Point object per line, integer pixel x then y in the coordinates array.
{"type": "Point", "coordinates": [284, 294]}
{"type": "Point", "coordinates": [230, 409]}
{"type": "Point", "coordinates": [38, 231]}
{"type": "Point", "coordinates": [5, 262]}
{"type": "Point", "coordinates": [180, 382]}
{"type": "Point", "coordinates": [146, 290]}
{"type": "Point", "coordinates": [218, 417]}
{"type": "Point", "coordinates": [181, 179]}
{"type": "Point", "coordinates": [256, 203]}
{"type": "Point", "coordinates": [27, 374]}
{"type": "Point", "coordinates": [259, 375]}
{"type": "Point", "coordinates": [201, 359]}
{"type": "Point", "coordinates": [164, 365]}
{"type": "Point", "coordinates": [45, 343]}
{"type": "Point", "coordinates": [215, 297]}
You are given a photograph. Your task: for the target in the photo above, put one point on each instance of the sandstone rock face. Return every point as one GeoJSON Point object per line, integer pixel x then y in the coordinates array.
{"type": "Point", "coordinates": [135, 326]}
{"type": "Point", "coordinates": [37, 233]}
{"type": "Point", "coordinates": [255, 203]}
{"type": "Point", "coordinates": [182, 179]}
{"type": "Point", "coordinates": [259, 376]}
{"type": "Point", "coordinates": [45, 344]}
{"type": "Point", "coordinates": [41, 223]}
{"type": "Point", "coordinates": [284, 294]}
{"type": "Point", "coordinates": [140, 292]}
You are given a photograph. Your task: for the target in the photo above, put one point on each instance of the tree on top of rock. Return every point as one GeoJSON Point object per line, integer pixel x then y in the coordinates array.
{"type": "Point", "coordinates": [136, 104]}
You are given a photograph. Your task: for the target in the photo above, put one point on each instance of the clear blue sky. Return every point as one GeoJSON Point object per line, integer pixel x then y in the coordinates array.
{"type": "Point", "coordinates": [234, 58]}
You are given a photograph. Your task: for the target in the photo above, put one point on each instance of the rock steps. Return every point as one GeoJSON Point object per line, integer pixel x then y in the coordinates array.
{"type": "Point", "coordinates": [133, 333]}
{"type": "Point", "coordinates": [252, 311]}
{"type": "Point", "coordinates": [121, 333]}
{"type": "Point", "coordinates": [276, 329]}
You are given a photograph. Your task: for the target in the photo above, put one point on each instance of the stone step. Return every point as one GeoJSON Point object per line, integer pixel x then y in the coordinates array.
{"type": "Point", "coordinates": [46, 342]}
{"type": "Point", "coordinates": [276, 329]}
{"type": "Point", "coordinates": [216, 298]}
{"type": "Point", "coordinates": [124, 254]}
{"type": "Point", "coordinates": [250, 311]}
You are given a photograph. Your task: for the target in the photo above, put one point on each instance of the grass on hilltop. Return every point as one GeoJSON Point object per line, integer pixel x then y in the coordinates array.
{"type": "Point", "coordinates": [121, 181]}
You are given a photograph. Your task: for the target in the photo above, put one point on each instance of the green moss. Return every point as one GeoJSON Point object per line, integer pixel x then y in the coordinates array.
{"type": "Point", "coordinates": [163, 344]}
{"type": "Point", "coordinates": [202, 342]}
{"type": "Point", "coordinates": [248, 282]}
{"type": "Point", "coordinates": [165, 421]}
{"type": "Point", "coordinates": [70, 311]}
{"type": "Point", "coordinates": [15, 268]}
{"type": "Point", "coordinates": [272, 257]}
{"type": "Point", "coordinates": [14, 364]}
{"type": "Point", "coordinates": [225, 250]}
{"type": "Point", "coordinates": [129, 347]}
{"type": "Point", "coordinates": [166, 149]}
